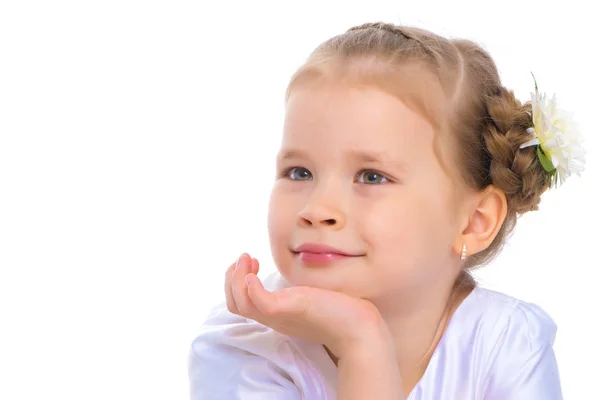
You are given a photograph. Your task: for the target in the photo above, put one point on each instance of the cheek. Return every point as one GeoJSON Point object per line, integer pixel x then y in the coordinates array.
{"type": "Point", "coordinates": [281, 219]}
{"type": "Point", "coordinates": [405, 227]}
{"type": "Point", "coordinates": [277, 215]}
{"type": "Point", "coordinates": [391, 226]}
{"type": "Point", "coordinates": [285, 203]}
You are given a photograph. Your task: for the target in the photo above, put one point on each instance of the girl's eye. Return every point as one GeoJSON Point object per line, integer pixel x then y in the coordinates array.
{"type": "Point", "coordinates": [298, 174]}
{"type": "Point", "coordinates": [372, 177]}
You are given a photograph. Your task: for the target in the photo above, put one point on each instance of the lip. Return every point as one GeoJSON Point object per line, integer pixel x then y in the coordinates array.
{"type": "Point", "coordinates": [321, 253]}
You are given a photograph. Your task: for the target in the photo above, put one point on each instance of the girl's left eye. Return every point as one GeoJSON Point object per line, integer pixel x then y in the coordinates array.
{"type": "Point", "coordinates": [372, 177]}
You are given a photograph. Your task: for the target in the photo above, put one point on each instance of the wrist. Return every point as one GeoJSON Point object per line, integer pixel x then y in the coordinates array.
{"type": "Point", "coordinates": [372, 341]}
{"type": "Point", "coordinates": [370, 370]}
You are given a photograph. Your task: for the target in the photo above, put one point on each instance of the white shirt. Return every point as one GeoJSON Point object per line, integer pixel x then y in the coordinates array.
{"type": "Point", "coordinates": [495, 347]}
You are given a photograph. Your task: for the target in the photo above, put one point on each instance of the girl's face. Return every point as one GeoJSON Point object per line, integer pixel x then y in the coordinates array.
{"type": "Point", "coordinates": [357, 172]}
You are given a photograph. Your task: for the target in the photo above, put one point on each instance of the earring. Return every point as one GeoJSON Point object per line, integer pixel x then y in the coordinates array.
{"type": "Point", "coordinates": [464, 252]}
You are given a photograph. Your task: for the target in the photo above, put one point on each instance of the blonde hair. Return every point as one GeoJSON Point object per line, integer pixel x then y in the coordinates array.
{"type": "Point", "coordinates": [461, 94]}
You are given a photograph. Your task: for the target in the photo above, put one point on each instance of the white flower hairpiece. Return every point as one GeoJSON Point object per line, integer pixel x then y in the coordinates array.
{"type": "Point", "coordinates": [557, 139]}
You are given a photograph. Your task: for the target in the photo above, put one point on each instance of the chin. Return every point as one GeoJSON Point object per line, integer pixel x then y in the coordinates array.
{"type": "Point", "coordinates": [346, 277]}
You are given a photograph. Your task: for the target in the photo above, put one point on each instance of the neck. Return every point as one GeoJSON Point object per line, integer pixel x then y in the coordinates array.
{"type": "Point", "coordinates": [418, 330]}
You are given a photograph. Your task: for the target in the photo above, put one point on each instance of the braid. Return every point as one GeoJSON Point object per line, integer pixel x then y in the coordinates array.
{"type": "Point", "coordinates": [516, 171]}
{"type": "Point", "coordinates": [381, 26]}
{"type": "Point", "coordinates": [415, 35]}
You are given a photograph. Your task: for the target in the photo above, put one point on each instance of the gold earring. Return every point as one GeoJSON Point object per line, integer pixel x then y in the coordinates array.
{"type": "Point", "coordinates": [464, 252]}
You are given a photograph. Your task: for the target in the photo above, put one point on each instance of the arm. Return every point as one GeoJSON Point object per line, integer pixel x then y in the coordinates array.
{"type": "Point", "coordinates": [369, 372]}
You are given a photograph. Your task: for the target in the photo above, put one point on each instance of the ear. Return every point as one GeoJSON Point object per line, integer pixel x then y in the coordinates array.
{"type": "Point", "coordinates": [484, 220]}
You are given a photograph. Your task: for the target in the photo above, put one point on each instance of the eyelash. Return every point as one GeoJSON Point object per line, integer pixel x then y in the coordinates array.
{"type": "Point", "coordinates": [287, 171]}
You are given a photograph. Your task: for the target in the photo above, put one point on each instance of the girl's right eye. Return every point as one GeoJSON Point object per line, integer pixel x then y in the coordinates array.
{"type": "Point", "coordinates": [298, 174]}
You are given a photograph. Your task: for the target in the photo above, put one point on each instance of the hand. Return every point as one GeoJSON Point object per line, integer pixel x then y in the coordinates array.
{"type": "Point", "coordinates": [338, 321]}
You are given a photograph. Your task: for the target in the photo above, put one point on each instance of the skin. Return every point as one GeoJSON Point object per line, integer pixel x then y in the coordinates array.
{"type": "Point", "coordinates": [357, 171]}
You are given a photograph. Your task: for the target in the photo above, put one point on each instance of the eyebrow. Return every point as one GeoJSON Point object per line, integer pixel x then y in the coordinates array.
{"type": "Point", "coordinates": [292, 154]}
{"type": "Point", "coordinates": [366, 156]}
{"type": "Point", "coordinates": [355, 155]}
{"type": "Point", "coordinates": [376, 158]}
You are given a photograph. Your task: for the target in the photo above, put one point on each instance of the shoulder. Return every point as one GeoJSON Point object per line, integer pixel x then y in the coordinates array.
{"type": "Point", "coordinates": [512, 321]}
{"type": "Point", "coordinates": [233, 356]}
{"type": "Point", "coordinates": [514, 344]}
{"type": "Point", "coordinates": [494, 327]}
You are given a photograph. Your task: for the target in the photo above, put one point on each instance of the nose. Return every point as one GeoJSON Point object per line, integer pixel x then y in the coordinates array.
{"type": "Point", "coordinates": [316, 214]}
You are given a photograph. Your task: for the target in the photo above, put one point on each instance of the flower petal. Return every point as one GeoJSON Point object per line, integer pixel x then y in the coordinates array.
{"type": "Point", "coordinates": [531, 142]}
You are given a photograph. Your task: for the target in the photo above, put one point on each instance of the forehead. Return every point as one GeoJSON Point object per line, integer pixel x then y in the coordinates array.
{"type": "Point", "coordinates": [333, 117]}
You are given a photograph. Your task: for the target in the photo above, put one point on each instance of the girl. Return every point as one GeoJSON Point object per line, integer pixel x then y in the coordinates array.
{"type": "Point", "coordinates": [404, 164]}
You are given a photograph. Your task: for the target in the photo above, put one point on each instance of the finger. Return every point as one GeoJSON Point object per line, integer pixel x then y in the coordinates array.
{"type": "Point", "coordinates": [254, 266]}
{"type": "Point", "coordinates": [240, 288]}
{"type": "Point", "coordinates": [267, 303]}
{"type": "Point", "coordinates": [230, 300]}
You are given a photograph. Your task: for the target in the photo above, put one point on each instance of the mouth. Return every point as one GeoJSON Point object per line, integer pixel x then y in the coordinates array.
{"type": "Point", "coordinates": [315, 253]}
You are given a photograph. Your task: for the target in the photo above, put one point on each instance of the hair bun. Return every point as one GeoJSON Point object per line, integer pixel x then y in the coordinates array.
{"type": "Point", "coordinates": [516, 171]}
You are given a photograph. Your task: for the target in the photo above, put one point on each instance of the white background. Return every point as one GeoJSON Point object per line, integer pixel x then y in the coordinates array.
{"type": "Point", "coordinates": [137, 144]}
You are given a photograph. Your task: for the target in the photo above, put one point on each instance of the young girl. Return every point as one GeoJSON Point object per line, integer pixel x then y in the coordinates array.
{"type": "Point", "coordinates": [404, 163]}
